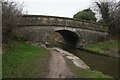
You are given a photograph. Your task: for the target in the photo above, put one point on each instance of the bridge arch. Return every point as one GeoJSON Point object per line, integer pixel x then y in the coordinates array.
{"type": "Point", "coordinates": [71, 38]}
{"type": "Point", "coordinates": [39, 28]}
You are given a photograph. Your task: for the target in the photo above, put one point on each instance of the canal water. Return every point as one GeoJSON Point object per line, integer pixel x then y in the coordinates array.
{"type": "Point", "coordinates": [106, 65]}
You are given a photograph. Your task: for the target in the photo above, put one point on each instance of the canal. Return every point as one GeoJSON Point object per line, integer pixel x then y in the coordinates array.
{"type": "Point", "coordinates": [104, 64]}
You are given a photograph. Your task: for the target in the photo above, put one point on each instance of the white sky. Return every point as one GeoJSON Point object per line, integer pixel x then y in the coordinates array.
{"type": "Point", "coordinates": [63, 8]}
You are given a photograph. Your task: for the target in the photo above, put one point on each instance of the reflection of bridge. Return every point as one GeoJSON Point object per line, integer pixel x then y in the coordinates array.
{"type": "Point", "coordinates": [37, 28]}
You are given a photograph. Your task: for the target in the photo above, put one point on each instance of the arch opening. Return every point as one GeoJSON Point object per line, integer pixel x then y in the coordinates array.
{"type": "Point", "coordinates": [70, 38]}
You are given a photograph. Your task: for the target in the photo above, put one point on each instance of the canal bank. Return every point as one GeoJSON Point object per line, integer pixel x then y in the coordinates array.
{"type": "Point", "coordinates": [66, 65]}
{"type": "Point", "coordinates": [104, 64]}
{"type": "Point", "coordinates": [106, 48]}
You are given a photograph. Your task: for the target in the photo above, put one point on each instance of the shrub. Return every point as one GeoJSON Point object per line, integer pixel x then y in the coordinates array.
{"type": "Point", "coordinates": [11, 12]}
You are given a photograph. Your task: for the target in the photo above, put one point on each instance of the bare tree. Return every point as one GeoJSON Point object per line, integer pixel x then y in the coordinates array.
{"type": "Point", "coordinates": [114, 25]}
{"type": "Point", "coordinates": [110, 12]}
{"type": "Point", "coordinates": [11, 12]}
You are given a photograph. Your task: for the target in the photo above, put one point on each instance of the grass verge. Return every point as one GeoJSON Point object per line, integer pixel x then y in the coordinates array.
{"type": "Point", "coordinates": [102, 47]}
{"type": "Point", "coordinates": [86, 73]}
{"type": "Point", "coordinates": [23, 60]}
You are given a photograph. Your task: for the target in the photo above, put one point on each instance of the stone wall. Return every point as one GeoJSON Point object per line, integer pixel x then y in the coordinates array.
{"type": "Point", "coordinates": [37, 29]}
{"type": "Point", "coordinates": [40, 20]}
{"type": "Point", "coordinates": [40, 34]}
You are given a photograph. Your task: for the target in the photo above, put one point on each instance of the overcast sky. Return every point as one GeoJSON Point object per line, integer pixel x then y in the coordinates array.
{"type": "Point", "coordinates": [63, 8]}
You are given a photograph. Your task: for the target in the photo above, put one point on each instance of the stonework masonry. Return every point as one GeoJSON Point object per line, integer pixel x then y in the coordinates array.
{"type": "Point", "coordinates": [37, 28]}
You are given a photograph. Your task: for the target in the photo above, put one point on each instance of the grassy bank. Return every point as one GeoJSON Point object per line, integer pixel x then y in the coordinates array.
{"type": "Point", "coordinates": [86, 73]}
{"type": "Point", "coordinates": [23, 60]}
{"type": "Point", "coordinates": [107, 48]}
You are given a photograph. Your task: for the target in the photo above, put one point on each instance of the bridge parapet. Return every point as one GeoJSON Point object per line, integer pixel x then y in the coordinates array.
{"type": "Point", "coordinates": [40, 20]}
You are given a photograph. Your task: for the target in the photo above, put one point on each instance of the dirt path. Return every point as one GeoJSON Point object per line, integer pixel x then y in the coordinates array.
{"type": "Point", "coordinates": [58, 66]}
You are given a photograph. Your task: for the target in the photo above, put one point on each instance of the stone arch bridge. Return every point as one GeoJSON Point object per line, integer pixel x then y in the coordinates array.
{"type": "Point", "coordinates": [37, 29]}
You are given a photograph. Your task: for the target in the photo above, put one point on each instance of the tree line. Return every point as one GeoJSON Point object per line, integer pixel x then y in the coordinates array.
{"type": "Point", "coordinates": [108, 11]}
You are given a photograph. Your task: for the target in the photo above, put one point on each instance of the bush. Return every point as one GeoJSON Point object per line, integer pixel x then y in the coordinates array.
{"type": "Point", "coordinates": [86, 14]}
{"type": "Point", "coordinates": [11, 12]}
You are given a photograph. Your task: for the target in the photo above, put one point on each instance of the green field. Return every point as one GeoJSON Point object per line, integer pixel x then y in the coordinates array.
{"type": "Point", "coordinates": [102, 47]}
{"type": "Point", "coordinates": [23, 60]}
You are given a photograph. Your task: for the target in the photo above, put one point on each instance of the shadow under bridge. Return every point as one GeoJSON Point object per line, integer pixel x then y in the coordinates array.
{"type": "Point", "coordinates": [70, 38]}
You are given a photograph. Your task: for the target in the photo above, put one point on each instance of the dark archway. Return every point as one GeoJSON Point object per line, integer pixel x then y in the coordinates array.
{"type": "Point", "coordinates": [70, 38]}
